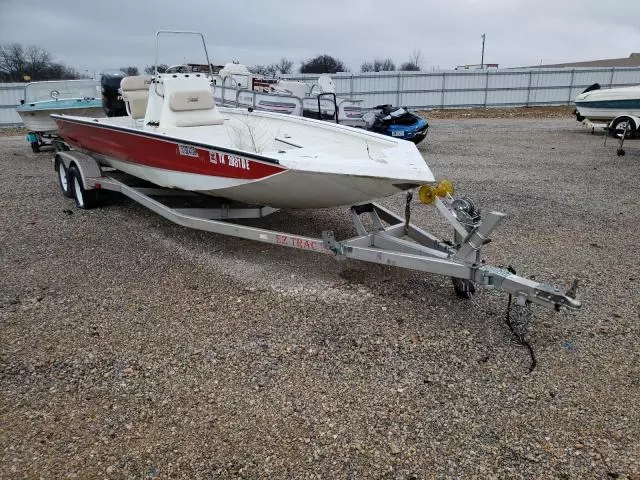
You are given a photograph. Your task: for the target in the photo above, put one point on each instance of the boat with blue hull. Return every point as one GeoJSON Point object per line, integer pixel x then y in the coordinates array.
{"type": "Point", "coordinates": [605, 104]}
{"type": "Point", "coordinates": [69, 97]}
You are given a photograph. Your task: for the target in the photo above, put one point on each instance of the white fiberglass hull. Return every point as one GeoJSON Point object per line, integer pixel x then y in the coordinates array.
{"type": "Point", "coordinates": [299, 178]}
{"type": "Point", "coordinates": [255, 157]}
{"type": "Point", "coordinates": [289, 189]}
{"type": "Point", "coordinates": [41, 121]}
{"type": "Point", "coordinates": [607, 104]}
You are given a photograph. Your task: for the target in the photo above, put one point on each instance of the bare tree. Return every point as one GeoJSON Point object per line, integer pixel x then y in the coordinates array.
{"type": "Point", "coordinates": [37, 58]}
{"type": "Point", "coordinates": [13, 62]}
{"type": "Point", "coordinates": [151, 69]}
{"type": "Point", "coordinates": [415, 62]}
{"type": "Point", "coordinates": [130, 70]}
{"type": "Point", "coordinates": [284, 66]}
{"type": "Point", "coordinates": [416, 57]}
{"type": "Point", "coordinates": [18, 63]}
{"type": "Point", "coordinates": [264, 70]}
{"type": "Point", "coordinates": [366, 67]}
{"type": "Point", "coordinates": [378, 65]}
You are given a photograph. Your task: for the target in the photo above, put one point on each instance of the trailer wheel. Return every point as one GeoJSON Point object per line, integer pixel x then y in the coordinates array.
{"type": "Point", "coordinates": [85, 199]}
{"type": "Point", "coordinates": [619, 127]}
{"type": "Point", "coordinates": [463, 288]}
{"type": "Point", "coordinates": [63, 179]}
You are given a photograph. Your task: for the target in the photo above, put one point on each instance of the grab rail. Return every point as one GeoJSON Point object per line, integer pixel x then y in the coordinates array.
{"type": "Point", "coordinates": [253, 94]}
{"type": "Point", "coordinates": [335, 105]}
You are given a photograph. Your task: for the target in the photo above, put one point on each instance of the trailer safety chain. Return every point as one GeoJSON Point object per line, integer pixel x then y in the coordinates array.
{"type": "Point", "coordinates": [520, 325]}
{"type": "Point", "coordinates": [407, 212]}
{"type": "Point", "coordinates": [519, 328]}
{"type": "Point", "coordinates": [517, 318]}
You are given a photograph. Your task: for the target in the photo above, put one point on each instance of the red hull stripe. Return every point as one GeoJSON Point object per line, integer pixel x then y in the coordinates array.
{"type": "Point", "coordinates": [145, 148]}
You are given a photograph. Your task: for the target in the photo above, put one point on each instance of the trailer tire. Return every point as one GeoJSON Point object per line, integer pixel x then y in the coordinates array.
{"type": "Point", "coordinates": [619, 124]}
{"type": "Point", "coordinates": [85, 199]}
{"type": "Point", "coordinates": [63, 178]}
{"type": "Point", "coordinates": [463, 288]}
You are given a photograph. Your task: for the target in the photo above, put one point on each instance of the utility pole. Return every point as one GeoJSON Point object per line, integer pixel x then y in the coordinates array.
{"type": "Point", "coordinates": [482, 59]}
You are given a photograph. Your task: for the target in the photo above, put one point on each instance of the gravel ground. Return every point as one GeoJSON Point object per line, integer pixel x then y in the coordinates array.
{"type": "Point", "coordinates": [133, 348]}
{"type": "Point", "coordinates": [551, 111]}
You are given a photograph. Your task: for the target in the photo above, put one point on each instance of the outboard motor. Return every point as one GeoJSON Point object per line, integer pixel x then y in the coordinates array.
{"type": "Point", "coordinates": [112, 102]}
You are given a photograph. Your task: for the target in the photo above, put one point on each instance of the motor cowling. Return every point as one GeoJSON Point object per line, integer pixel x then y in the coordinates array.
{"type": "Point", "coordinates": [112, 102]}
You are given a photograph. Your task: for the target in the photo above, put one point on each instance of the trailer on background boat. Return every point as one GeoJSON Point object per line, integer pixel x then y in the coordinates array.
{"type": "Point", "coordinates": [623, 127]}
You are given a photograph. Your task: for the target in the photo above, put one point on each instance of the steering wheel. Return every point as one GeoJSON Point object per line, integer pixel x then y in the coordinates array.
{"type": "Point", "coordinates": [54, 94]}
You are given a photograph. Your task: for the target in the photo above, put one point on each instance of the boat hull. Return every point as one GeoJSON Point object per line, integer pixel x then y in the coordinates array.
{"type": "Point", "coordinates": [607, 104]}
{"type": "Point", "coordinates": [40, 121]}
{"type": "Point", "coordinates": [600, 112]}
{"type": "Point", "coordinates": [221, 172]}
{"type": "Point", "coordinates": [291, 189]}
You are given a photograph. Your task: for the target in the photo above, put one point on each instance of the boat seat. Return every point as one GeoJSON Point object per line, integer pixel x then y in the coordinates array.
{"type": "Point", "coordinates": [194, 108]}
{"type": "Point", "coordinates": [135, 92]}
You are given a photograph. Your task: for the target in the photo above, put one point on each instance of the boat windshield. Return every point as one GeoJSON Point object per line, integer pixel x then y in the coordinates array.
{"type": "Point", "coordinates": [61, 89]}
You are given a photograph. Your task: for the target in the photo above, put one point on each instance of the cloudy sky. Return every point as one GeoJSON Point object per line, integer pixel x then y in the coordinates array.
{"type": "Point", "coordinates": [96, 35]}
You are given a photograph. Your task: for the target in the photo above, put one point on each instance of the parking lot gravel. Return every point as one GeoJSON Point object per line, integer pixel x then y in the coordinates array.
{"type": "Point", "coordinates": [134, 348]}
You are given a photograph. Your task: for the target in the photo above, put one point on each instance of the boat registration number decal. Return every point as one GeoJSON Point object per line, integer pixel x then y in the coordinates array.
{"type": "Point", "coordinates": [187, 150]}
{"type": "Point", "coordinates": [234, 161]}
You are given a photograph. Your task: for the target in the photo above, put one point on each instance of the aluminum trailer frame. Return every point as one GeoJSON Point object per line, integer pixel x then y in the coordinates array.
{"type": "Point", "coordinates": [399, 243]}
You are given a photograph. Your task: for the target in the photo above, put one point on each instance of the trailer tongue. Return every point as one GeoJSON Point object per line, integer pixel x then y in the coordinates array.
{"type": "Point", "coordinates": [393, 240]}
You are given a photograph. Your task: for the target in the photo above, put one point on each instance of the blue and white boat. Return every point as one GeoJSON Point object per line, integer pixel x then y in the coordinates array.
{"type": "Point", "coordinates": [73, 97]}
{"type": "Point", "coordinates": [41, 99]}
{"type": "Point", "coordinates": [605, 104]}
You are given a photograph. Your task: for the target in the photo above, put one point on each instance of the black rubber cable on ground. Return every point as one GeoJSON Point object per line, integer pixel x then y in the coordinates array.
{"type": "Point", "coordinates": [519, 336]}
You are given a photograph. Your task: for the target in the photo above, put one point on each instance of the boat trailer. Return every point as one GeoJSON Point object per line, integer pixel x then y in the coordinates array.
{"type": "Point", "coordinates": [622, 127]}
{"type": "Point", "coordinates": [392, 240]}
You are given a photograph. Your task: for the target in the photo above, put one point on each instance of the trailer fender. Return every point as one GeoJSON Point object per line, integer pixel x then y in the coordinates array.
{"type": "Point", "coordinates": [635, 120]}
{"type": "Point", "coordinates": [87, 166]}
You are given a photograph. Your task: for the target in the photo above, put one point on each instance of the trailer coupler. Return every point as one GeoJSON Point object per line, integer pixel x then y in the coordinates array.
{"type": "Point", "coordinates": [525, 290]}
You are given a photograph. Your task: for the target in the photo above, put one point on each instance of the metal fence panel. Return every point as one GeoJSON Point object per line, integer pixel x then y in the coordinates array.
{"type": "Point", "coordinates": [550, 96]}
{"type": "Point", "coordinates": [507, 97]}
{"type": "Point", "coordinates": [584, 79]}
{"type": "Point", "coordinates": [516, 80]}
{"type": "Point", "coordinates": [343, 84]}
{"type": "Point", "coordinates": [382, 83]}
{"type": "Point", "coordinates": [551, 79]}
{"type": "Point", "coordinates": [10, 96]}
{"type": "Point", "coordinates": [464, 81]}
{"type": "Point", "coordinates": [454, 88]}
{"type": "Point", "coordinates": [413, 82]}
{"type": "Point", "coordinates": [371, 100]}
{"type": "Point", "coordinates": [625, 77]}
{"type": "Point", "coordinates": [464, 98]}
{"type": "Point", "coordinates": [427, 99]}
{"type": "Point", "coordinates": [439, 89]}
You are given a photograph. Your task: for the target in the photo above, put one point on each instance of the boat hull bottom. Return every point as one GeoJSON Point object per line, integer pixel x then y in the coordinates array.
{"type": "Point", "coordinates": [41, 121]}
{"type": "Point", "coordinates": [290, 189]}
{"type": "Point", "coordinates": [604, 114]}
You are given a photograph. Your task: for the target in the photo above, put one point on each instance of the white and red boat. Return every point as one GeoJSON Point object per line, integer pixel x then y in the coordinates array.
{"type": "Point", "coordinates": [175, 136]}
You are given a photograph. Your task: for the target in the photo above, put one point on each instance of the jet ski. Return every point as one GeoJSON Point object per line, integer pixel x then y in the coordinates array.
{"type": "Point", "coordinates": [398, 122]}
